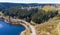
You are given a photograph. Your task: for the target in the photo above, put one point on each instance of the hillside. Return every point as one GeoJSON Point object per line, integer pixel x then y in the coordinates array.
{"type": "Point", "coordinates": [51, 27]}
{"type": "Point", "coordinates": [45, 19]}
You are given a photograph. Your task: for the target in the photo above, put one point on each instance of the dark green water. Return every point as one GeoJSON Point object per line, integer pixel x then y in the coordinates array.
{"type": "Point", "coordinates": [6, 29]}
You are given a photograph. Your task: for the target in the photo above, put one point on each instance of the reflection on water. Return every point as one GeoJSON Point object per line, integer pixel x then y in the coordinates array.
{"type": "Point", "coordinates": [6, 29]}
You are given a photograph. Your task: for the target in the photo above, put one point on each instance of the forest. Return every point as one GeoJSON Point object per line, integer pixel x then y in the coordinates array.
{"type": "Point", "coordinates": [37, 15]}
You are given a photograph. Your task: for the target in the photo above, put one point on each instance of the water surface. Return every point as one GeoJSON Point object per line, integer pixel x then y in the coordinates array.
{"type": "Point", "coordinates": [6, 29]}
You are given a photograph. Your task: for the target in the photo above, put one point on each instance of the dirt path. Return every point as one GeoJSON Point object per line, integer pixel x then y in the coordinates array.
{"type": "Point", "coordinates": [31, 27]}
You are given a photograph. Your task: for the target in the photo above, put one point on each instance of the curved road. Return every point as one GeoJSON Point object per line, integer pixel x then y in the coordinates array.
{"type": "Point", "coordinates": [32, 27]}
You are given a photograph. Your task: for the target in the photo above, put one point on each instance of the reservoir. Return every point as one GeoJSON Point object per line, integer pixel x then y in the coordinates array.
{"type": "Point", "coordinates": [6, 29]}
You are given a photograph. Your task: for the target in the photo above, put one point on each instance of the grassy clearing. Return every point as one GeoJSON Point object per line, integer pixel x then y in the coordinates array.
{"type": "Point", "coordinates": [27, 33]}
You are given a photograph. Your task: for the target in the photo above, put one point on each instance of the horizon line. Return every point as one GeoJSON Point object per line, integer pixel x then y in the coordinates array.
{"type": "Point", "coordinates": [33, 2]}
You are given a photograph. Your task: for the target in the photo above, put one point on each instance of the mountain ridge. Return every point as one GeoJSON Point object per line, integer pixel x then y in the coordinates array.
{"type": "Point", "coordinates": [9, 5]}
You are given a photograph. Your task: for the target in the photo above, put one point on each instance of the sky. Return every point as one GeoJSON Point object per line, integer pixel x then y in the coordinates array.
{"type": "Point", "coordinates": [31, 1]}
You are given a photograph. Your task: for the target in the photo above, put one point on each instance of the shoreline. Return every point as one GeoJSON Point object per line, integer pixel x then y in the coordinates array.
{"type": "Point", "coordinates": [28, 26]}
